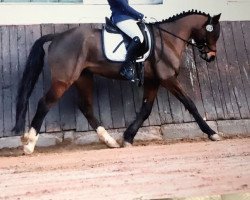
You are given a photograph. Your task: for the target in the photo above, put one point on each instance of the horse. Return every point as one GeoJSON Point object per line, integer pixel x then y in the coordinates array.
{"type": "Point", "coordinates": [76, 55]}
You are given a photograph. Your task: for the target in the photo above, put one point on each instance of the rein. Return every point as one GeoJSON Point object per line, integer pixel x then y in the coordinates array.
{"type": "Point", "coordinates": [199, 47]}
{"type": "Point", "coordinates": [186, 41]}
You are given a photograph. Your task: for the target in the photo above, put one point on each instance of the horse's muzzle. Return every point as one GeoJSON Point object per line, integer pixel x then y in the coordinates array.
{"type": "Point", "coordinates": [212, 58]}
{"type": "Point", "coordinates": [208, 57]}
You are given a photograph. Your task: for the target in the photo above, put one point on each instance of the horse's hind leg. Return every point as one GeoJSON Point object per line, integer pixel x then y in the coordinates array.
{"type": "Point", "coordinates": [150, 92]}
{"type": "Point", "coordinates": [85, 88]}
{"type": "Point", "coordinates": [55, 92]}
{"type": "Point", "coordinates": [173, 85]}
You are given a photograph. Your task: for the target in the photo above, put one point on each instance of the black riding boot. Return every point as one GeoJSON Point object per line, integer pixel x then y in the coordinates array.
{"type": "Point", "coordinates": [127, 68]}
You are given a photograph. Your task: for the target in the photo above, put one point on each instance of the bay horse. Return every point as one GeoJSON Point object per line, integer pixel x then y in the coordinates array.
{"type": "Point", "coordinates": [76, 55]}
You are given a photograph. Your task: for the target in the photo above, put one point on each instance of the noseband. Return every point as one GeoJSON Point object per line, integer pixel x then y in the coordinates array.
{"type": "Point", "coordinates": [203, 46]}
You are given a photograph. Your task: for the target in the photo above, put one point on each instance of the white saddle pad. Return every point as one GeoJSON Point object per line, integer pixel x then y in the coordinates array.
{"type": "Point", "coordinates": [114, 50]}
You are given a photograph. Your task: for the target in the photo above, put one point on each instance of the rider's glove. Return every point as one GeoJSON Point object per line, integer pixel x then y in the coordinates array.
{"type": "Point", "coordinates": [148, 20]}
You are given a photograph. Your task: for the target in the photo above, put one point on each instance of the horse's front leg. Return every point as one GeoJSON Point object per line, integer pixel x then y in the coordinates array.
{"type": "Point", "coordinates": [173, 85]}
{"type": "Point", "coordinates": [150, 92]}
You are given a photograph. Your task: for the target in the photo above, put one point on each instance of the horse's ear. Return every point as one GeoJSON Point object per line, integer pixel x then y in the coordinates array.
{"type": "Point", "coordinates": [216, 19]}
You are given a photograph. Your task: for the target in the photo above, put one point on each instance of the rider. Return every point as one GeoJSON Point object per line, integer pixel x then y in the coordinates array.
{"type": "Point", "coordinates": [126, 18]}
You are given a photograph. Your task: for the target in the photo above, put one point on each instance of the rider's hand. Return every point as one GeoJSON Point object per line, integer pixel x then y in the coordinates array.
{"type": "Point", "coordinates": [148, 20]}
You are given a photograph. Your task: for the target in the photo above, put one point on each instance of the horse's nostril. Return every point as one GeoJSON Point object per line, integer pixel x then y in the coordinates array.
{"type": "Point", "coordinates": [212, 58]}
{"type": "Point", "coordinates": [208, 58]}
{"type": "Point", "coordinates": [203, 56]}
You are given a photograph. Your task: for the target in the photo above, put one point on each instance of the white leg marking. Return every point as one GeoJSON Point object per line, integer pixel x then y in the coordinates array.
{"type": "Point", "coordinates": [29, 141]}
{"type": "Point", "coordinates": [106, 138]}
{"type": "Point", "coordinates": [215, 137]}
{"type": "Point", "coordinates": [127, 144]}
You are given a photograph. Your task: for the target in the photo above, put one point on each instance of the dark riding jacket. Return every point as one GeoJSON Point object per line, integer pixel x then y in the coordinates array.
{"type": "Point", "coordinates": [122, 11]}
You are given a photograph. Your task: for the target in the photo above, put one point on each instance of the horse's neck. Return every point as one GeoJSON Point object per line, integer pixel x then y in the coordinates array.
{"type": "Point", "coordinates": [182, 28]}
{"type": "Point", "coordinates": [176, 31]}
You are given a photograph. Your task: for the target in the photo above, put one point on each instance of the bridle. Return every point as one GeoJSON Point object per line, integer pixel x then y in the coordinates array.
{"type": "Point", "coordinates": [209, 29]}
{"type": "Point", "coordinates": [202, 45]}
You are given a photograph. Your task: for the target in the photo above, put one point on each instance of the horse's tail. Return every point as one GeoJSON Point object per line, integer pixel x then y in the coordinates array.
{"type": "Point", "coordinates": [33, 68]}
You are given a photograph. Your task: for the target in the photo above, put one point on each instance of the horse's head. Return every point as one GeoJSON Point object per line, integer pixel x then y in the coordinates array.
{"type": "Point", "coordinates": [207, 36]}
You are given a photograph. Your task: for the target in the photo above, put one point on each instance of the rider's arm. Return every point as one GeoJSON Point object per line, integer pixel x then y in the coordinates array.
{"type": "Point", "coordinates": [129, 10]}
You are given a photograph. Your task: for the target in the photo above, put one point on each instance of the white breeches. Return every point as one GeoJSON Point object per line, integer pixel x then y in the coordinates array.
{"type": "Point", "coordinates": [131, 28]}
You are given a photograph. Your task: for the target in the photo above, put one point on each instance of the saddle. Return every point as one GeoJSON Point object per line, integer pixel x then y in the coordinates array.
{"type": "Point", "coordinates": [115, 44]}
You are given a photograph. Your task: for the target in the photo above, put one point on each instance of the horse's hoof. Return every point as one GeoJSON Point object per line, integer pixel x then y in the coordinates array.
{"type": "Point", "coordinates": [29, 148]}
{"type": "Point", "coordinates": [106, 138]}
{"type": "Point", "coordinates": [127, 144]}
{"type": "Point", "coordinates": [110, 142]}
{"type": "Point", "coordinates": [29, 141]}
{"type": "Point", "coordinates": [215, 137]}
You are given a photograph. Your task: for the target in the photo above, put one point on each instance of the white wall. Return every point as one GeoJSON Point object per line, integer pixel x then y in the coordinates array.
{"type": "Point", "coordinates": [79, 13]}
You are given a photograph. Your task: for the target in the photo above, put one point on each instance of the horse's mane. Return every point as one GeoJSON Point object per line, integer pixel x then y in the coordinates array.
{"type": "Point", "coordinates": [183, 14]}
